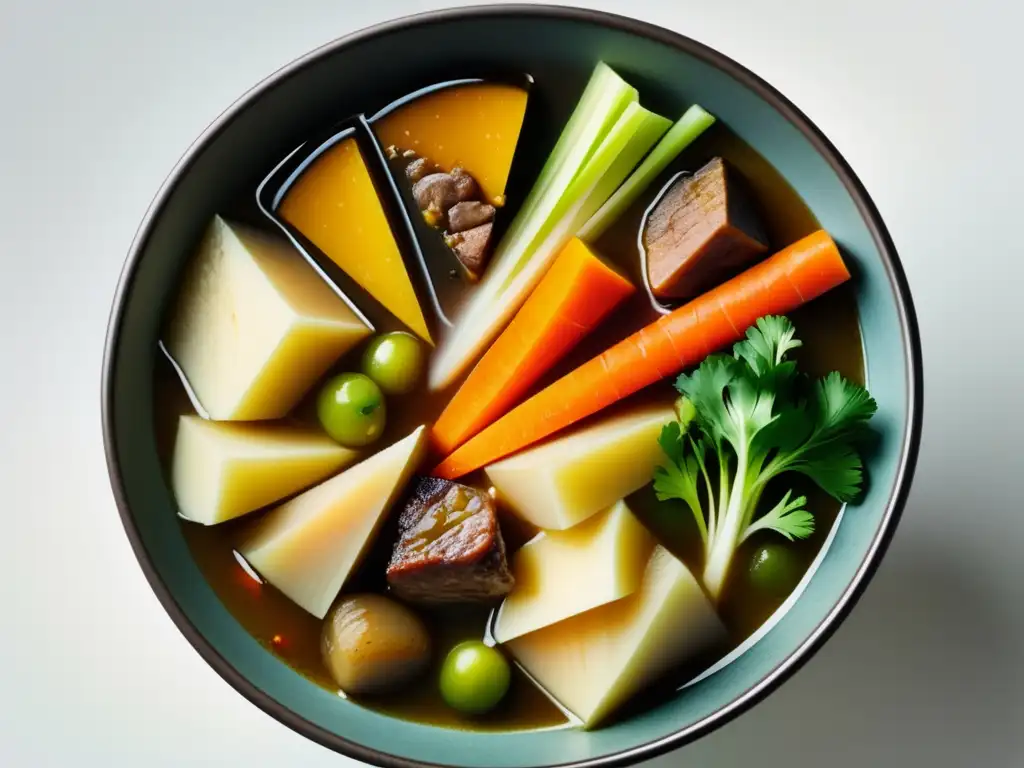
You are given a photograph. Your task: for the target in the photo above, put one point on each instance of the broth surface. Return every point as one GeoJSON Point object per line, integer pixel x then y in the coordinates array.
{"type": "Point", "coordinates": [830, 332]}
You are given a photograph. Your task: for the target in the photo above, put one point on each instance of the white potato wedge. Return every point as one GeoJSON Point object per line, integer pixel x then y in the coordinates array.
{"type": "Point", "coordinates": [563, 573]}
{"type": "Point", "coordinates": [564, 481]}
{"type": "Point", "coordinates": [221, 470]}
{"type": "Point", "coordinates": [308, 546]}
{"type": "Point", "coordinates": [593, 662]}
{"type": "Point", "coordinates": [254, 326]}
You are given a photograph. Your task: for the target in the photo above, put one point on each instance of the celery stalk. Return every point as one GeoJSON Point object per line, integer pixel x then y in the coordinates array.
{"type": "Point", "coordinates": [625, 145]}
{"type": "Point", "coordinates": [570, 168]}
{"type": "Point", "coordinates": [691, 125]}
{"type": "Point", "coordinates": [632, 136]}
{"type": "Point", "coordinates": [605, 98]}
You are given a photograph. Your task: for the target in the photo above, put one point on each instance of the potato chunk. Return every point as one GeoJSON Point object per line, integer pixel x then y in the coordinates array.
{"type": "Point", "coordinates": [254, 326]}
{"type": "Point", "coordinates": [221, 470]}
{"type": "Point", "coordinates": [559, 574]}
{"type": "Point", "coordinates": [592, 663]}
{"type": "Point", "coordinates": [563, 482]}
{"type": "Point", "coordinates": [308, 546]}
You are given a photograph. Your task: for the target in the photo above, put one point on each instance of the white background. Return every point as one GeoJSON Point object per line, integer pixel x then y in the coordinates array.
{"type": "Point", "coordinates": [99, 99]}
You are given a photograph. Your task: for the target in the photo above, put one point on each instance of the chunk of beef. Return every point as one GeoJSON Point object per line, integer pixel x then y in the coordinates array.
{"type": "Point", "coordinates": [437, 192]}
{"type": "Point", "coordinates": [419, 168]}
{"type": "Point", "coordinates": [703, 231]}
{"type": "Point", "coordinates": [449, 547]}
{"type": "Point", "coordinates": [469, 214]}
{"type": "Point", "coordinates": [473, 248]}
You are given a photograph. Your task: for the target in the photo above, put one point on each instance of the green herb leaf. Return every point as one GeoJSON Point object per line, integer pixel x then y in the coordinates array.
{"type": "Point", "coordinates": [767, 343]}
{"type": "Point", "coordinates": [842, 408]}
{"type": "Point", "coordinates": [705, 388]}
{"type": "Point", "coordinates": [788, 518]}
{"type": "Point", "coordinates": [835, 467]}
{"type": "Point", "coordinates": [755, 417]}
{"type": "Point", "coordinates": [679, 476]}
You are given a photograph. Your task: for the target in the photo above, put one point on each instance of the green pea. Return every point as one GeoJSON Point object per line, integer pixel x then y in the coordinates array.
{"type": "Point", "coordinates": [351, 409]}
{"type": "Point", "coordinates": [474, 678]}
{"type": "Point", "coordinates": [775, 569]}
{"type": "Point", "coordinates": [395, 362]}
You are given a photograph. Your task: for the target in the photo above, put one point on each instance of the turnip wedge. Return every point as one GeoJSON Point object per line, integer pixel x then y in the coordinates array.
{"type": "Point", "coordinates": [606, 137]}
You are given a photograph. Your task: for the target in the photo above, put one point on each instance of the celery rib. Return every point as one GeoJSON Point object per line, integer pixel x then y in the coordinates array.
{"type": "Point", "coordinates": [600, 109]}
{"type": "Point", "coordinates": [691, 125]}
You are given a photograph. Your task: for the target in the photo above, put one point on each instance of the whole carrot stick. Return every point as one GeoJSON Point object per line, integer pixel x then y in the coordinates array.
{"type": "Point", "coordinates": [778, 285]}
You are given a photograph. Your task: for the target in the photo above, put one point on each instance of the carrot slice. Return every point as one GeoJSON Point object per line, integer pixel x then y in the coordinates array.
{"type": "Point", "coordinates": [576, 294]}
{"type": "Point", "coordinates": [775, 286]}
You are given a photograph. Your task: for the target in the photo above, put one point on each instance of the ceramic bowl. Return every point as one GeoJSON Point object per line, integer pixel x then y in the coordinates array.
{"type": "Point", "coordinates": [342, 78]}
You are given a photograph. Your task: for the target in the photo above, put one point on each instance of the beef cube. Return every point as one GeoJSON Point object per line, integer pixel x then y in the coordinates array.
{"type": "Point", "coordinates": [472, 248]}
{"type": "Point", "coordinates": [449, 547]}
{"type": "Point", "coordinates": [419, 168]}
{"type": "Point", "coordinates": [437, 192]}
{"type": "Point", "coordinates": [469, 214]}
{"type": "Point", "coordinates": [703, 231]}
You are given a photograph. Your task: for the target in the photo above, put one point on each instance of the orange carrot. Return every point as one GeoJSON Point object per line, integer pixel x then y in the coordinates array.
{"type": "Point", "coordinates": [777, 285]}
{"type": "Point", "coordinates": [577, 293]}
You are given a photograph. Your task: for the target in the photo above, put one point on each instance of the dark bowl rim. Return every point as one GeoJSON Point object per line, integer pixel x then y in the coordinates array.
{"type": "Point", "coordinates": [868, 211]}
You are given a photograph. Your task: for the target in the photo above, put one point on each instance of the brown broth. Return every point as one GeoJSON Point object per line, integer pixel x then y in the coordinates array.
{"type": "Point", "coordinates": [830, 331]}
{"type": "Point", "coordinates": [293, 635]}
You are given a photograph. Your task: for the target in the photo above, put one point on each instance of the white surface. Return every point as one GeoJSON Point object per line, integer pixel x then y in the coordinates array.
{"type": "Point", "coordinates": [101, 98]}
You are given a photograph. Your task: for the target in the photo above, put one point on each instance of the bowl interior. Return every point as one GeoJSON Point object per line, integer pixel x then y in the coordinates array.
{"type": "Point", "coordinates": [349, 78]}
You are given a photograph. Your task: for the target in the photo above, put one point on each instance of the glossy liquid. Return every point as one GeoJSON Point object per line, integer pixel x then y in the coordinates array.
{"type": "Point", "coordinates": [474, 127]}
{"type": "Point", "coordinates": [830, 332]}
{"type": "Point", "coordinates": [335, 206]}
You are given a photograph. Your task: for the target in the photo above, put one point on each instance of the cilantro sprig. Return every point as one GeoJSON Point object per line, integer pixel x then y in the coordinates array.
{"type": "Point", "coordinates": [747, 418]}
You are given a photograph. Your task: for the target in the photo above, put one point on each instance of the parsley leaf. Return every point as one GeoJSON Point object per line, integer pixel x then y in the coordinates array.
{"type": "Point", "coordinates": [753, 416]}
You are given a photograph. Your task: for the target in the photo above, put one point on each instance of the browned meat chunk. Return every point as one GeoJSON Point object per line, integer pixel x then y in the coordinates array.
{"type": "Point", "coordinates": [702, 232]}
{"type": "Point", "coordinates": [472, 248]}
{"type": "Point", "coordinates": [451, 201]}
{"type": "Point", "coordinates": [469, 214]}
{"type": "Point", "coordinates": [437, 192]}
{"type": "Point", "coordinates": [419, 168]}
{"type": "Point", "coordinates": [449, 546]}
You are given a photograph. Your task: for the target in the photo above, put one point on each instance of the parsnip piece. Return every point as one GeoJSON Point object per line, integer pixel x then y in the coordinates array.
{"type": "Point", "coordinates": [308, 546]}
{"type": "Point", "coordinates": [563, 482]}
{"type": "Point", "coordinates": [559, 574]}
{"type": "Point", "coordinates": [253, 326]}
{"type": "Point", "coordinates": [221, 470]}
{"type": "Point", "coordinates": [593, 662]}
